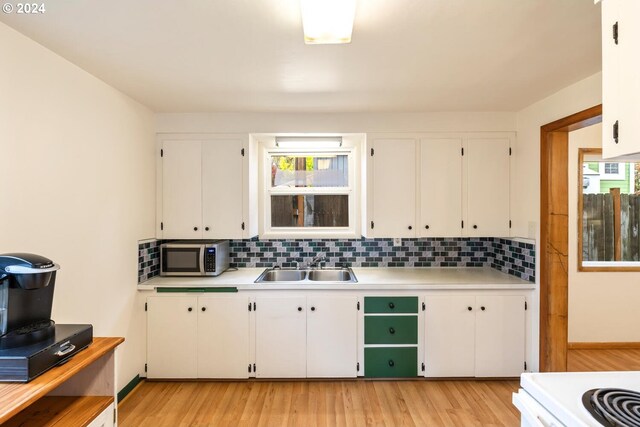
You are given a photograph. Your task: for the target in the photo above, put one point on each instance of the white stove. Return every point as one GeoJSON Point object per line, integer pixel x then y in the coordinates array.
{"type": "Point", "coordinates": [556, 399]}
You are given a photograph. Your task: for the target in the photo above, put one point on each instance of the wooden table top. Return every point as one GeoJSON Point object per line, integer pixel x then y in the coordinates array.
{"type": "Point", "coordinates": [14, 397]}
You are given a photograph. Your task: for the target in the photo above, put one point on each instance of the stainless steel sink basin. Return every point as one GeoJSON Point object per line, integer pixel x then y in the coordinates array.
{"type": "Point", "coordinates": [342, 275]}
{"type": "Point", "coordinates": [308, 276]}
{"type": "Point", "coordinates": [282, 276]}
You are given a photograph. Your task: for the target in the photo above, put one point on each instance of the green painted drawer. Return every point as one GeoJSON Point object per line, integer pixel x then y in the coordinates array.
{"type": "Point", "coordinates": [392, 362]}
{"type": "Point", "coordinates": [391, 329]}
{"type": "Point", "coordinates": [390, 304]}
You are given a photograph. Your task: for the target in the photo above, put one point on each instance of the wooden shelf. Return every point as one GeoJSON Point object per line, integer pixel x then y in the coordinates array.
{"type": "Point", "coordinates": [77, 411]}
{"type": "Point", "coordinates": [15, 397]}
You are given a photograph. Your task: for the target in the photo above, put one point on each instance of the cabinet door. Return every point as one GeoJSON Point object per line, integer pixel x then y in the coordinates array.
{"type": "Point", "coordinates": [500, 336]}
{"type": "Point", "coordinates": [171, 337]}
{"type": "Point", "coordinates": [281, 342]}
{"type": "Point", "coordinates": [332, 326]}
{"type": "Point", "coordinates": [394, 188]}
{"type": "Point", "coordinates": [222, 189]}
{"type": "Point", "coordinates": [449, 336]}
{"type": "Point", "coordinates": [487, 187]}
{"type": "Point", "coordinates": [621, 78]}
{"type": "Point", "coordinates": [440, 187]}
{"type": "Point", "coordinates": [181, 190]}
{"type": "Point", "coordinates": [223, 337]}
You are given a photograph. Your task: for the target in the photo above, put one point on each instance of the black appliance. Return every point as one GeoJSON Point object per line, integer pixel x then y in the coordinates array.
{"type": "Point", "coordinates": [613, 406]}
{"type": "Point", "coordinates": [30, 342]}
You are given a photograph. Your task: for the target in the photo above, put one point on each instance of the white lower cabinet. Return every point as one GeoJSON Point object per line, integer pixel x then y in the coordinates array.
{"type": "Point", "coordinates": [474, 335]}
{"type": "Point", "coordinates": [298, 336]}
{"type": "Point", "coordinates": [106, 418]}
{"type": "Point", "coordinates": [197, 337]}
{"type": "Point", "coordinates": [332, 336]}
{"type": "Point", "coordinates": [281, 329]}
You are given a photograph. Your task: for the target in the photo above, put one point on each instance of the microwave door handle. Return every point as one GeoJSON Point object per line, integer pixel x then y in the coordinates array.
{"type": "Point", "coordinates": [202, 251]}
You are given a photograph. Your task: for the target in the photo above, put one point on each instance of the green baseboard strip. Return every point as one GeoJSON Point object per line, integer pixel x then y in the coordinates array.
{"type": "Point", "coordinates": [127, 389]}
{"type": "Point", "coordinates": [205, 290]}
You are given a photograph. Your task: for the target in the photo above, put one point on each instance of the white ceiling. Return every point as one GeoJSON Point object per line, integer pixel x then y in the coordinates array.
{"type": "Point", "coordinates": [249, 55]}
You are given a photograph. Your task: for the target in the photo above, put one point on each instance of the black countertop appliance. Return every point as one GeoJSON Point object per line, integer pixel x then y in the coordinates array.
{"type": "Point", "coordinates": [30, 342]}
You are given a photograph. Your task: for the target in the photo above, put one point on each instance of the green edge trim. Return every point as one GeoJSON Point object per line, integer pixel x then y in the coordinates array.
{"type": "Point", "coordinates": [218, 289]}
{"type": "Point", "coordinates": [127, 389]}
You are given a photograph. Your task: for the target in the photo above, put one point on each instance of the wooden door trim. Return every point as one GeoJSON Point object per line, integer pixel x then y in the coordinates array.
{"type": "Point", "coordinates": [554, 237]}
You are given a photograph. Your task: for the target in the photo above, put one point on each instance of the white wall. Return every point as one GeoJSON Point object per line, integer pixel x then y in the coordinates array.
{"type": "Point", "coordinates": [602, 306]}
{"type": "Point", "coordinates": [77, 174]}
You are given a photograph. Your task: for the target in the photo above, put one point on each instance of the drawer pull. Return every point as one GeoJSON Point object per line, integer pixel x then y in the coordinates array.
{"type": "Point", "coordinates": [469, 308]}
{"type": "Point", "coordinates": [392, 363]}
{"type": "Point", "coordinates": [392, 331]}
{"type": "Point", "coordinates": [299, 308]}
{"type": "Point", "coordinates": [392, 305]}
{"type": "Point", "coordinates": [482, 308]}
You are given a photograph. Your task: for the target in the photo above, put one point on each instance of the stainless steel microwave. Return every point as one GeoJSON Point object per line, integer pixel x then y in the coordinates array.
{"type": "Point", "coordinates": [194, 258]}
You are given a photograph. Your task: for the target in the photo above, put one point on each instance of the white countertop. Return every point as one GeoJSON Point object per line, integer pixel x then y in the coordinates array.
{"type": "Point", "coordinates": [368, 279]}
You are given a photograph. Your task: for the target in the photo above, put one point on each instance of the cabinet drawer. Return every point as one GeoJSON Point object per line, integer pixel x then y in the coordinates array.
{"type": "Point", "coordinates": [391, 304]}
{"type": "Point", "coordinates": [393, 362]}
{"type": "Point", "coordinates": [391, 330]}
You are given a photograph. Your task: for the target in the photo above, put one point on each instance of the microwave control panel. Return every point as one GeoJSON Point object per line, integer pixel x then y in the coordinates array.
{"type": "Point", "coordinates": [210, 260]}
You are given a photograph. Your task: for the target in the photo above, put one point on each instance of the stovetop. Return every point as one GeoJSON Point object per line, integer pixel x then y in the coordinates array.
{"type": "Point", "coordinates": [613, 406]}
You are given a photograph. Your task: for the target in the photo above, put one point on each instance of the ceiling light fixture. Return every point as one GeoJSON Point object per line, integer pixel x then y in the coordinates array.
{"type": "Point", "coordinates": [327, 21]}
{"type": "Point", "coordinates": [308, 141]}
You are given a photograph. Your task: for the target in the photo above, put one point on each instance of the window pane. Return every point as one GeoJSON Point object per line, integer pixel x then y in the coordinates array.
{"type": "Point", "coordinates": [611, 211]}
{"type": "Point", "coordinates": [310, 211]}
{"type": "Point", "coordinates": [310, 171]}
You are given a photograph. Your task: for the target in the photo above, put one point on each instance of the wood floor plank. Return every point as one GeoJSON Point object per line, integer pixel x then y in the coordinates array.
{"type": "Point", "coordinates": [350, 403]}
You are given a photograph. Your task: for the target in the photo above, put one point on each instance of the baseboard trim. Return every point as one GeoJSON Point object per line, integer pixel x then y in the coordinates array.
{"type": "Point", "coordinates": [128, 388]}
{"type": "Point", "coordinates": [602, 345]}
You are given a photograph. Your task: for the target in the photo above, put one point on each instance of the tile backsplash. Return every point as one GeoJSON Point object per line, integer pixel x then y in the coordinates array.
{"type": "Point", "coordinates": [509, 256]}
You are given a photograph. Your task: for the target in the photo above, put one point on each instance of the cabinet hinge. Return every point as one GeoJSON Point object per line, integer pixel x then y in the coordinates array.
{"type": "Point", "coordinates": [424, 306]}
{"type": "Point", "coordinates": [242, 152]}
{"type": "Point", "coordinates": [615, 32]}
{"type": "Point", "coordinates": [462, 151]}
{"type": "Point", "coordinates": [145, 367]}
{"type": "Point", "coordinates": [254, 309]}
{"type": "Point", "coordinates": [372, 152]}
{"type": "Point", "coordinates": [358, 305]}
{"type": "Point", "coordinates": [249, 368]}
{"type": "Point", "coordinates": [526, 307]}
{"type": "Point", "coordinates": [525, 366]}
{"type": "Point", "coordinates": [358, 367]}
{"type": "Point", "coordinates": [242, 225]}
{"type": "Point", "coordinates": [462, 224]}
{"type": "Point", "coordinates": [509, 150]}
{"type": "Point", "coordinates": [509, 223]}
{"type": "Point", "coordinates": [423, 367]}
{"type": "Point", "coordinates": [161, 152]}
{"type": "Point", "coordinates": [249, 310]}
{"type": "Point", "coordinates": [615, 131]}
{"type": "Point", "coordinates": [162, 226]}
{"type": "Point", "coordinates": [146, 308]}
{"type": "Point", "coordinates": [372, 225]}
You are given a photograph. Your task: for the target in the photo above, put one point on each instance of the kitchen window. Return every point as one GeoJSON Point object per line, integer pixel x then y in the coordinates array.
{"type": "Point", "coordinates": [608, 213]}
{"type": "Point", "coordinates": [309, 193]}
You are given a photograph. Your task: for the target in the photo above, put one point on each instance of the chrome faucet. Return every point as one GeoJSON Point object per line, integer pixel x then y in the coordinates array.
{"type": "Point", "coordinates": [317, 261]}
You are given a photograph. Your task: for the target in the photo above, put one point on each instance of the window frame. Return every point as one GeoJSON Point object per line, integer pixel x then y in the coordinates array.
{"type": "Point", "coordinates": [267, 231]}
{"type": "Point", "coordinates": [595, 266]}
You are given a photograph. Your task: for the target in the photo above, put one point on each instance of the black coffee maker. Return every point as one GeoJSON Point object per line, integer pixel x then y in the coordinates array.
{"type": "Point", "coordinates": [30, 342]}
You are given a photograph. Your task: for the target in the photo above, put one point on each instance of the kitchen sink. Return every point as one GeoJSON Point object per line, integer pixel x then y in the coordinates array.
{"type": "Point", "coordinates": [307, 276]}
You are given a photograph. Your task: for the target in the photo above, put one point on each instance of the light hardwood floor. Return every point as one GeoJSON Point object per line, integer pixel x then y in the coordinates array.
{"type": "Point", "coordinates": [343, 403]}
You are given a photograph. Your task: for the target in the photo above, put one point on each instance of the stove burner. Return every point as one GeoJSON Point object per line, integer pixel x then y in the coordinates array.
{"type": "Point", "coordinates": [613, 406]}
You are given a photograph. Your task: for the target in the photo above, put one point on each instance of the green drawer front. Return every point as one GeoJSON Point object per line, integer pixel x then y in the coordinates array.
{"type": "Point", "coordinates": [391, 329]}
{"type": "Point", "coordinates": [389, 362]}
{"type": "Point", "coordinates": [391, 304]}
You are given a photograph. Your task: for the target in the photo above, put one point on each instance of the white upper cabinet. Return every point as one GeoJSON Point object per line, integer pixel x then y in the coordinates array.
{"type": "Point", "coordinates": [181, 190]}
{"type": "Point", "coordinates": [393, 172]}
{"type": "Point", "coordinates": [621, 79]}
{"type": "Point", "coordinates": [440, 187]}
{"type": "Point", "coordinates": [205, 188]}
{"type": "Point", "coordinates": [486, 187]}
